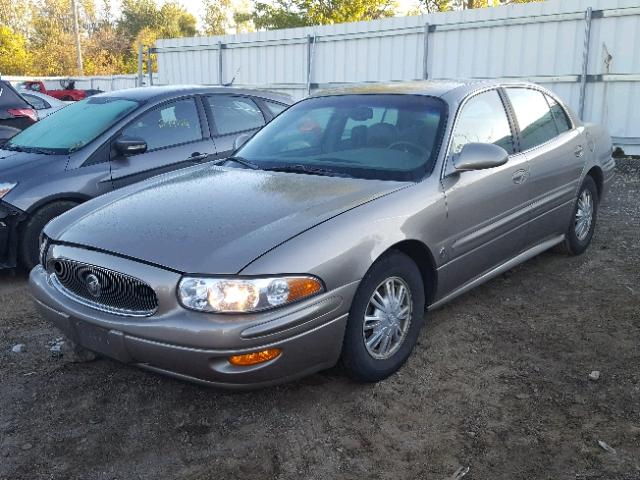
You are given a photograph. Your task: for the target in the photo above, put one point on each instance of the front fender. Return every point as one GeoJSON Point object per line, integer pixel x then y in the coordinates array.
{"type": "Point", "coordinates": [342, 249]}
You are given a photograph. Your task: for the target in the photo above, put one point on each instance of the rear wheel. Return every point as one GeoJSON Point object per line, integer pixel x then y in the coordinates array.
{"type": "Point", "coordinates": [385, 319]}
{"type": "Point", "coordinates": [29, 248]}
{"type": "Point", "coordinates": [583, 219]}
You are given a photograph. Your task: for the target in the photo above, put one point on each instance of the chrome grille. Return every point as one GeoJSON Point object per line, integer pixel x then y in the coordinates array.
{"type": "Point", "coordinates": [103, 289]}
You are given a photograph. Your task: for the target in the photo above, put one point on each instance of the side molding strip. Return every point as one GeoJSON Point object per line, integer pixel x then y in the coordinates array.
{"type": "Point", "coordinates": [509, 264]}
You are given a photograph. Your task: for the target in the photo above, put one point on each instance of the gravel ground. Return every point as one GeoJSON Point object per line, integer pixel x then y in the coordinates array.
{"type": "Point", "coordinates": [499, 384]}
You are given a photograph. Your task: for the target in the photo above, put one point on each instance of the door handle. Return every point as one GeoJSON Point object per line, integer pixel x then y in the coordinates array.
{"type": "Point", "coordinates": [579, 151]}
{"type": "Point", "coordinates": [520, 176]}
{"type": "Point", "coordinates": [197, 156]}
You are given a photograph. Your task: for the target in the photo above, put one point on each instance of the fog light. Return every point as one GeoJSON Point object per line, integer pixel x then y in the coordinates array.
{"type": "Point", "coordinates": [255, 357]}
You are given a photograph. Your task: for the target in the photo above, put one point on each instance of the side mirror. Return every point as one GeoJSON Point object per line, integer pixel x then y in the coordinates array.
{"type": "Point", "coordinates": [128, 146]}
{"type": "Point", "coordinates": [241, 140]}
{"type": "Point", "coordinates": [479, 156]}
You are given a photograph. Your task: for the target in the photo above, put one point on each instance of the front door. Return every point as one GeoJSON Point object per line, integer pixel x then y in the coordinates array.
{"type": "Point", "coordinates": [486, 209]}
{"type": "Point", "coordinates": [176, 137]}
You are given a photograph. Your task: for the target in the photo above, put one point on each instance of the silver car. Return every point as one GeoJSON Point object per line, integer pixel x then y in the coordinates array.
{"type": "Point", "coordinates": [44, 104]}
{"type": "Point", "coordinates": [328, 235]}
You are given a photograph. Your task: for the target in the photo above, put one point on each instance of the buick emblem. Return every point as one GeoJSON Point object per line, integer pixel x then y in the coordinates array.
{"type": "Point", "coordinates": [93, 285]}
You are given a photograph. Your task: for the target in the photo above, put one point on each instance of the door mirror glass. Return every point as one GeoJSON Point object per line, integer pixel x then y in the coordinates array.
{"type": "Point", "coordinates": [479, 156]}
{"type": "Point", "coordinates": [128, 146]}
{"type": "Point", "coordinates": [241, 140]}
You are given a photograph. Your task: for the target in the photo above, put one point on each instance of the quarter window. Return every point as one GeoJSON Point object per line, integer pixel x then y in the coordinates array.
{"type": "Point", "coordinates": [235, 114]}
{"type": "Point", "coordinates": [535, 119]}
{"type": "Point", "coordinates": [172, 124]}
{"type": "Point", "coordinates": [275, 108]}
{"type": "Point", "coordinates": [483, 120]}
{"type": "Point", "coordinates": [559, 115]}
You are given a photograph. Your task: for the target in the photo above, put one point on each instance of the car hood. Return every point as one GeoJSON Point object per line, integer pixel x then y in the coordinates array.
{"type": "Point", "coordinates": [211, 219]}
{"type": "Point", "coordinates": [17, 166]}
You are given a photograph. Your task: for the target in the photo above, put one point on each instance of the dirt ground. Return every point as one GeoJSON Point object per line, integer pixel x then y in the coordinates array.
{"type": "Point", "coordinates": [499, 383]}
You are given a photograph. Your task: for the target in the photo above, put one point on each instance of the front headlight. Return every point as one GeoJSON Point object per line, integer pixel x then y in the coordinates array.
{"type": "Point", "coordinates": [241, 295]}
{"type": "Point", "coordinates": [6, 187]}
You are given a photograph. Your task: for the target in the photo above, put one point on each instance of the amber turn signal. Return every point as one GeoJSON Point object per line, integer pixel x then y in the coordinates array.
{"type": "Point", "coordinates": [302, 287]}
{"type": "Point", "coordinates": [255, 357]}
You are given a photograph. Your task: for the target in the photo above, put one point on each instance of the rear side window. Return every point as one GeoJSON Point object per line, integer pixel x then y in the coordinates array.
{"type": "Point", "coordinates": [37, 102]}
{"type": "Point", "coordinates": [171, 124]}
{"type": "Point", "coordinates": [235, 114]}
{"type": "Point", "coordinates": [563, 124]}
{"type": "Point", "coordinates": [10, 98]}
{"type": "Point", "coordinates": [483, 119]}
{"type": "Point", "coordinates": [275, 108]}
{"type": "Point", "coordinates": [535, 119]}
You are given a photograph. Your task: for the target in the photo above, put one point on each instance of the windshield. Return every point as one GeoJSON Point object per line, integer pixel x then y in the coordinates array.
{"type": "Point", "coordinates": [388, 137]}
{"type": "Point", "coordinates": [72, 127]}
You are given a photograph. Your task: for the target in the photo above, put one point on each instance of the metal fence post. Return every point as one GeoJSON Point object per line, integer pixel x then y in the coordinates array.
{"type": "Point", "coordinates": [140, 78]}
{"type": "Point", "coordinates": [588, 16]}
{"type": "Point", "coordinates": [311, 50]}
{"type": "Point", "coordinates": [220, 62]}
{"type": "Point", "coordinates": [425, 53]}
{"type": "Point", "coordinates": [150, 65]}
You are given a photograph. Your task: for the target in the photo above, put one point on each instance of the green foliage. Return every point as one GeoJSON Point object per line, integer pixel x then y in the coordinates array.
{"type": "Point", "coordinates": [14, 56]}
{"type": "Point", "coordinates": [300, 13]}
{"type": "Point", "coordinates": [216, 16]}
{"type": "Point", "coordinates": [431, 6]}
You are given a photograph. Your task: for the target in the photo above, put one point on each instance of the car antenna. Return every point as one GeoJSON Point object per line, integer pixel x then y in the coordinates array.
{"type": "Point", "coordinates": [229, 84]}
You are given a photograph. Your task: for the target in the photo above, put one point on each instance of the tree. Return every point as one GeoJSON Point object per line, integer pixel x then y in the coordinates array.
{"type": "Point", "coordinates": [300, 13]}
{"type": "Point", "coordinates": [216, 16]}
{"type": "Point", "coordinates": [431, 6]}
{"type": "Point", "coordinates": [15, 59]}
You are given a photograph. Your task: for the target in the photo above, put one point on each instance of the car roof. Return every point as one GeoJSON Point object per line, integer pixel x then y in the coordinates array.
{"type": "Point", "coordinates": [433, 88]}
{"type": "Point", "coordinates": [170, 91]}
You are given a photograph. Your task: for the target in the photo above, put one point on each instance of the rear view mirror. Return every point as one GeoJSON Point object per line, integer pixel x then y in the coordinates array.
{"type": "Point", "coordinates": [361, 114]}
{"type": "Point", "coordinates": [479, 156]}
{"type": "Point", "coordinates": [128, 146]}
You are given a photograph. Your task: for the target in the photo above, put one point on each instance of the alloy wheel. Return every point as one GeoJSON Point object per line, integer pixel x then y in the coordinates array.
{"type": "Point", "coordinates": [387, 318]}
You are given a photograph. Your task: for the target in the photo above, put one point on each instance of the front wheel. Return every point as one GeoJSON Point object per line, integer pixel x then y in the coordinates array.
{"type": "Point", "coordinates": [583, 219]}
{"type": "Point", "coordinates": [29, 247]}
{"type": "Point", "coordinates": [385, 319]}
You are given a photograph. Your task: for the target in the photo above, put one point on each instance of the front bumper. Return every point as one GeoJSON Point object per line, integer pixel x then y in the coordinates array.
{"type": "Point", "coordinates": [10, 217]}
{"type": "Point", "coordinates": [196, 346]}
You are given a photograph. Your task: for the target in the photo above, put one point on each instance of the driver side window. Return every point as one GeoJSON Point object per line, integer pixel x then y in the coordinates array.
{"type": "Point", "coordinates": [483, 119]}
{"type": "Point", "coordinates": [171, 124]}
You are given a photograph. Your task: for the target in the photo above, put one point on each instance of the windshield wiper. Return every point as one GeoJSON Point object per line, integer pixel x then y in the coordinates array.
{"type": "Point", "coordinates": [16, 148]}
{"type": "Point", "coordinates": [243, 162]}
{"type": "Point", "coordinates": [13, 148]}
{"type": "Point", "coordinates": [307, 169]}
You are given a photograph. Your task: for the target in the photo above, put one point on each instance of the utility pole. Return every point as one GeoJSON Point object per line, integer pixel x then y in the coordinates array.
{"type": "Point", "coordinates": [76, 33]}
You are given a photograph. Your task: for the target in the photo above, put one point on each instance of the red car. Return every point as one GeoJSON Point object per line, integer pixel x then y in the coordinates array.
{"type": "Point", "coordinates": [68, 93]}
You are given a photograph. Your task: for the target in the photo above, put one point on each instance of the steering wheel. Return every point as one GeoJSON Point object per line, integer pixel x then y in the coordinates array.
{"type": "Point", "coordinates": [408, 147]}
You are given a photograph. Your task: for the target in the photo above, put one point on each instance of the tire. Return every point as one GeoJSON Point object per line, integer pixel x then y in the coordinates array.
{"type": "Point", "coordinates": [577, 240]}
{"type": "Point", "coordinates": [29, 248]}
{"type": "Point", "coordinates": [363, 363]}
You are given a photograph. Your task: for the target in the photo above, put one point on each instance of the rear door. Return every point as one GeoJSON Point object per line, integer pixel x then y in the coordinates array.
{"type": "Point", "coordinates": [231, 116]}
{"type": "Point", "coordinates": [177, 136]}
{"type": "Point", "coordinates": [486, 209]}
{"type": "Point", "coordinates": [555, 151]}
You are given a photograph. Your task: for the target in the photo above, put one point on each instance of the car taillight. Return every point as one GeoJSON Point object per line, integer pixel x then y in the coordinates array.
{"type": "Point", "coordinates": [23, 112]}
